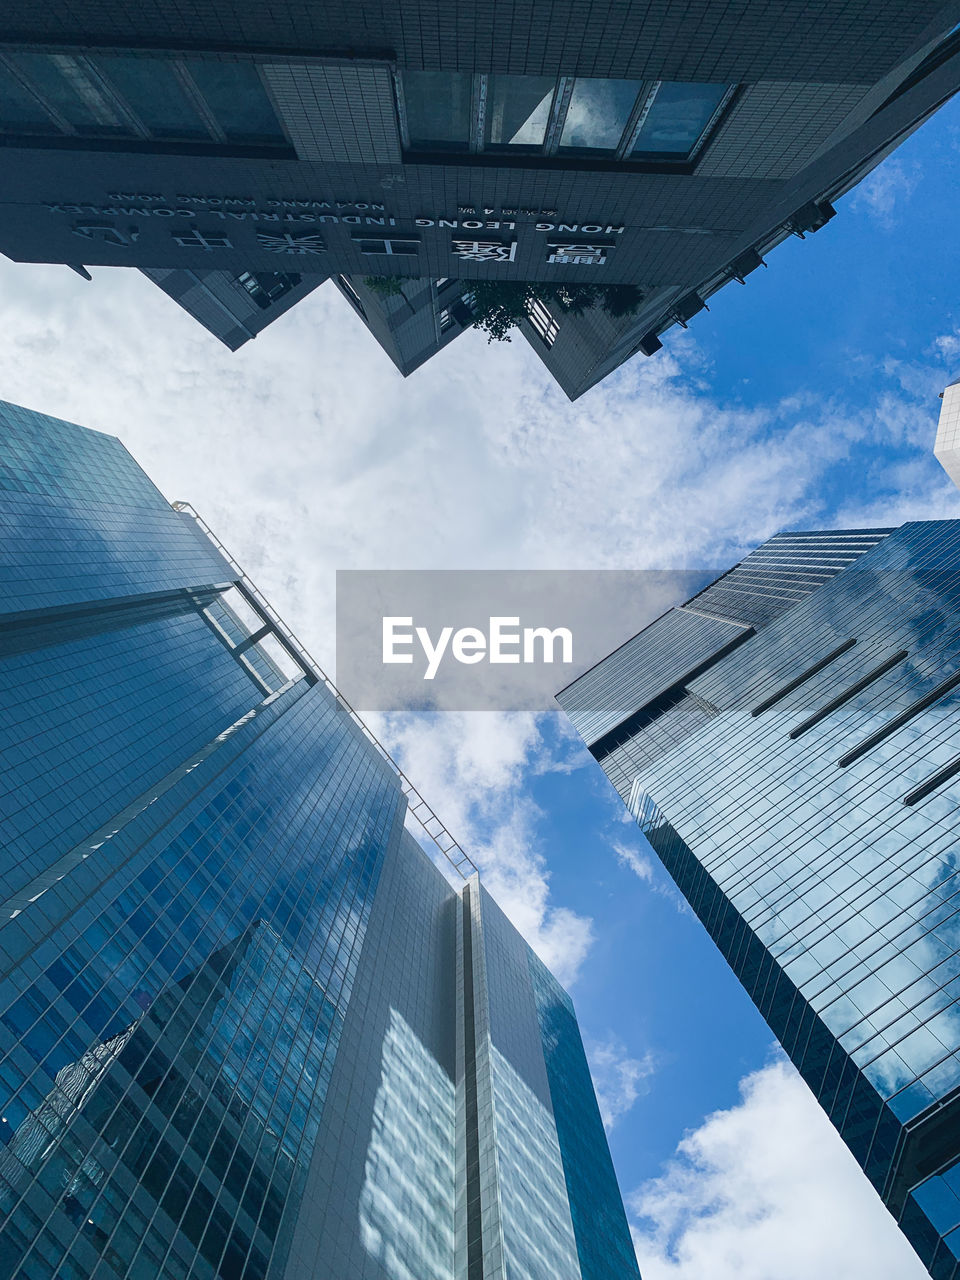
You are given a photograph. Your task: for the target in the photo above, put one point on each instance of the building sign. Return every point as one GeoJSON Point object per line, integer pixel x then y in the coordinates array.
{"type": "Point", "coordinates": [485, 250]}
{"type": "Point", "coordinates": [577, 255]}
{"type": "Point", "coordinates": [105, 232]}
{"type": "Point", "coordinates": [236, 209]}
{"type": "Point", "coordinates": [291, 241]}
{"type": "Point", "coordinates": [194, 238]}
{"type": "Point", "coordinates": [371, 227]}
{"type": "Point", "coordinates": [390, 245]}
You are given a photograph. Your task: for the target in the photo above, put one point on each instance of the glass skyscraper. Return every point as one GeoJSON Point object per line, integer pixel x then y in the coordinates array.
{"type": "Point", "coordinates": [789, 741]}
{"type": "Point", "coordinates": [247, 1027]}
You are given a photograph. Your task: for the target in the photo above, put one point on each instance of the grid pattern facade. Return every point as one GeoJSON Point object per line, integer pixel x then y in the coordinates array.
{"type": "Point", "coordinates": [638, 702]}
{"type": "Point", "coordinates": [317, 172]}
{"type": "Point", "coordinates": [233, 990]}
{"type": "Point", "coordinates": [810, 820]}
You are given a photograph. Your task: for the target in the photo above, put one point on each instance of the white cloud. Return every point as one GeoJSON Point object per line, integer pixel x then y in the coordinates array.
{"type": "Point", "coordinates": [473, 767]}
{"type": "Point", "coordinates": [948, 345]}
{"type": "Point", "coordinates": [307, 452]}
{"type": "Point", "coordinates": [767, 1191]}
{"type": "Point", "coordinates": [650, 872]}
{"type": "Point", "coordinates": [634, 860]}
{"type": "Point", "coordinates": [884, 192]}
{"type": "Point", "coordinates": [618, 1078]}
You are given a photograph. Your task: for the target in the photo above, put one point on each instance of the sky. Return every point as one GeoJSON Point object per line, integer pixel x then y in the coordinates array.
{"type": "Point", "coordinates": [806, 398]}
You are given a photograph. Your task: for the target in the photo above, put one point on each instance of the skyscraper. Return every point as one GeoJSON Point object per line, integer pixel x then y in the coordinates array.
{"type": "Point", "coordinates": [789, 743]}
{"type": "Point", "coordinates": [947, 445]}
{"type": "Point", "coordinates": [663, 147]}
{"type": "Point", "coordinates": [247, 1027]}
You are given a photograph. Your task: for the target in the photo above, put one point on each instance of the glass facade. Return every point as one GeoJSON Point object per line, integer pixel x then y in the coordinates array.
{"type": "Point", "coordinates": [589, 117]}
{"type": "Point", "coordinates": [235, 1038]}
{"type": "Point", "coordinates": [808, 812]}
{"type": "Point", "coordinates": [137, 98]}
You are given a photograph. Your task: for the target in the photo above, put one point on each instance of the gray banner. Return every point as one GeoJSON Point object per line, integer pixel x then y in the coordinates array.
{"type": "Point", "coordinates": [488, 640]}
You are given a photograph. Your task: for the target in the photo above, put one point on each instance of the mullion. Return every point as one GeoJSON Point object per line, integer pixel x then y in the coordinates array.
{"type": "Point", "coordinates": [478, 114]}
{"type": "Point", "coordinates": [711, 123]}
{"type": "Point", "coordinates": [401, 110]}
{"type": "Point", "coordinates": [113, 96]}
{"type": "Point", "coordinates": [196, 98]}
{"type": "Point", "coordinates": [645, 100]}
{"type": "Point", "coordinates": [558, 114]}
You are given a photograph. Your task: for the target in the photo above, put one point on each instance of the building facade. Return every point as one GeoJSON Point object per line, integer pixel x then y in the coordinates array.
{"type": "Point", "coordinates": [247, 1027]}
{"type": "Point", "coordinates": [664, 147]}
{"type": "Point", "coordinates": [947, 445]}
{"type": "Point", "coordinates": [789, 743]}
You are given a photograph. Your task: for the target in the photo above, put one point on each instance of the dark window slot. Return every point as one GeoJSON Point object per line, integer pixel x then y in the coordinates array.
{"type": "Point", "coordinates": [935, 780]}
{"type": "Point", "coordinates": [900, 720]}
{"type": "Point", "coordinates": [810, 672]}
{"type": "Point", "coordinates": [847, 694]}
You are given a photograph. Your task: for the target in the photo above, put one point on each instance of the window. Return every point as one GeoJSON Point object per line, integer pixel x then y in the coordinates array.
{"type": "Point", "coordinates": [575, 116]}
{"type": "Point", "coordinates": [517, 111]}
{"type": "Point", "coordinates": [137, 98]}
{"type": "Point", "coordinates": [446, 320]}
{"type": "Point", "coordinates": [265, 287]}
{"type": "Point", "coordinates": [597, 115]}
{"type": "Point", "coordinates": [677, 119]}
{"type": "Point", "coordinates": [543, 322]}
{"type": "Point", "coordinates": [438, 109]}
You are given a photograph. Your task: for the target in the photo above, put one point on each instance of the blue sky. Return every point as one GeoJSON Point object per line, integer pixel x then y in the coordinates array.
{"type": "Point", "coordinates": [806, 398]}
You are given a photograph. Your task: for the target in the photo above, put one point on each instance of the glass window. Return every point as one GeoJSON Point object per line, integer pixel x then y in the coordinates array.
{"type": "Point", "coordinates": [152, 90]}
{"type": "Point", "coordinates": [543, 322]}
{"type": "Point", "coordinates": [518, 110]}
{"type": "Point", "coordinates": [237, 100]}
{"type": "Point", "coordinates": [677, 118]}
{"type": "Point", "coordinates": [598, 114]}
{"type": "Point", "coordinates": [65, 85]}
{"type": "Point", "coordinates": [20, 112]}
{"type": "Point", "coordinates": [438, 105]}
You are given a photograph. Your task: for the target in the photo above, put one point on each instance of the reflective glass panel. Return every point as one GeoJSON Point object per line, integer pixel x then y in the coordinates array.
{"type": "Point", "coordinates": [20, 112]}
{"type": "Point", "coordinates": [518, 109]}
{"type": "Point", "coordinates": [678, 117]}
{"type": "Point", "coordinates": [598, 114]}
{"type": "Point", "coordinates": [238, 101]}
{"type": "Point", "coordinates": [63, 82]}
{"type": "Point", "coordinates": [151, 88]}
{"type": "Point", "coordinates": [438, 109]}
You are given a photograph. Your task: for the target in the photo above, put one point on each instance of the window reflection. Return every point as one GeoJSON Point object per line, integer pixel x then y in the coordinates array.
{"type": "Point", "coordinates": [598, 114]}
{"type": "Point", "coordinates": [73, 93]}
{"type": "Point", "coordinates": [133, 97]}
{"type": "Point", "coordinates": [153, 91]}
{"type": "Point", "coordinates": [678, 116]}
{"type": "Point", "coordinates": [235, 95]}
{"type": "Point", "coordinates": [408, 1199]}
{"type": "Point", "coordinates": [518, 110]}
